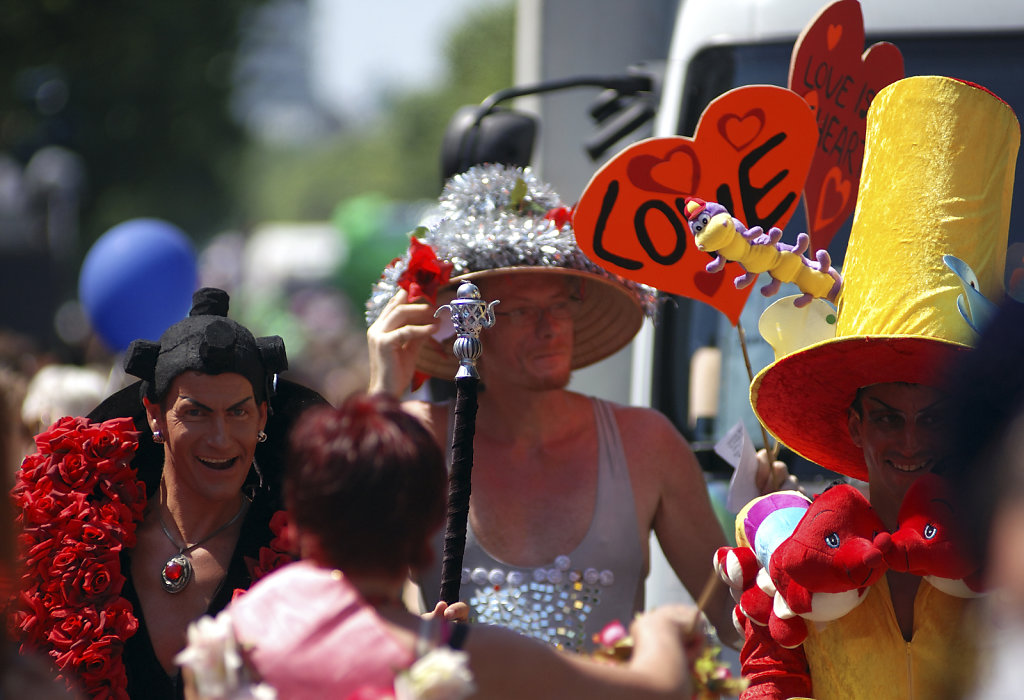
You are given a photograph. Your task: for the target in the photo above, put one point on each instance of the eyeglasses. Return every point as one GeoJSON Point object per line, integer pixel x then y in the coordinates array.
{"type": "Point", "coordinates": [529, 315]}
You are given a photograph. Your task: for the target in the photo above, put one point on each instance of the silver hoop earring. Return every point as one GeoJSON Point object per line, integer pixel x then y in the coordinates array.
{"type": "Point", "coordinates": [158, 437]}
{"type": "Point", "coordinates": [259, 473]}
{"type": "Point", "coordinates": [261, 436]}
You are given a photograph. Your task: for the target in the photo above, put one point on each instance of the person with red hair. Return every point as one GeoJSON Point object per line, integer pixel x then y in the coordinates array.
{"type": "Point", "coordinates": [365, 486]}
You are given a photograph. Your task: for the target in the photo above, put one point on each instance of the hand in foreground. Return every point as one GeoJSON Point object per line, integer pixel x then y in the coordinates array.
{"type": "Point", "coordinates": [773, 475]}
{"type": "Point", "coordinates": [671, 622]}
{"type": "Point", "coordinates": [456, 612]}
{"type": "Point", "coordinates": [394, 342]}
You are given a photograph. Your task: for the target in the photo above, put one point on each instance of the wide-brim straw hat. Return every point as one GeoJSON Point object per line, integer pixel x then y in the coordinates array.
{"type": "Point", "coordinates": [937, 180]}
{"type": "Point", "coordinates": [498, 220]}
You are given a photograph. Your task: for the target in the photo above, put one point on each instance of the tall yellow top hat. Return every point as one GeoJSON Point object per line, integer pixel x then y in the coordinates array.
{"type": "Point", "coordinates": [937, 180]}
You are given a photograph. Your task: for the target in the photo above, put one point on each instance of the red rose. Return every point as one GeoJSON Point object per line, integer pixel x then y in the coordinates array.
{"type": "Point", "coordinates": [129, 492]}
{"type": "Point", "coordinates": [425, 274]}
{"type": "Point", "coordinates": [114, 440]}
{"type": "Point", "coordinates": [66, 435]}
{"type": "Point", "coordinates": [268, 561]}
{"type": "Point", "coordinates": [282, 541]}
{"type": "Point", "coordinates": [31, 466]}
{"type": "Point", "coordinates": [77, 472]}
{"type": "Point", "coordinates": [98, 665]}
{"type": "Point", "coordinates": [77, 508]}
{"type": "Point", "coordinates": [91, 581]}
{"type": "Point", "coordinates": [118, 618]}
{"type": "Point", "coordinates": [33, 616]}
{"type": "Point", "coordinates": [40, 507]}
{"type": "Point", "coordinates": [72, 625]}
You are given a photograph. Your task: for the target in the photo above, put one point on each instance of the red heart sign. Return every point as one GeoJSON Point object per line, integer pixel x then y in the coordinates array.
{"type": "Point", "coordinates": [750, 152]}
{"type": "Point", "coordinates": [838, 82]}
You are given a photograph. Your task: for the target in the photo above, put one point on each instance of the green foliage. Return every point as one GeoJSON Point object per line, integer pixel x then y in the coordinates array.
{"type": "Point", "coordinates": [147, 86]}
{"type": "Point", "coordinates": [398, 154]}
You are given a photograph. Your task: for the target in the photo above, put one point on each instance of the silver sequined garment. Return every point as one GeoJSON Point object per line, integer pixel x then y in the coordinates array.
{"type": "Point", "coordinates": [568, 600]}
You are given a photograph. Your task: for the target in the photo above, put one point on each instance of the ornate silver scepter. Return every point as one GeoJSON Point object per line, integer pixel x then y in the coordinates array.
{"type": "Point", "coordinates": [470, 315]}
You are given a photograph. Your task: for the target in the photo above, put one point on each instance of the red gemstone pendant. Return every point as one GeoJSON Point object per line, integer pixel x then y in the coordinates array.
{"type": "Point", "coordinates": [176, 574]}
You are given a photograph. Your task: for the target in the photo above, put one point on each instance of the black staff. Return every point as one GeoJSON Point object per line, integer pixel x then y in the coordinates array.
{"type": "Point", "coordinates": [470, 315]}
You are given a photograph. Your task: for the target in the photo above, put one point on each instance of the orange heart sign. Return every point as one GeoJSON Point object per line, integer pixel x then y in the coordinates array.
{"type": "Point", "coordinates": [751, 153]}
{"type": "Point", "coordinates": [838, 82]}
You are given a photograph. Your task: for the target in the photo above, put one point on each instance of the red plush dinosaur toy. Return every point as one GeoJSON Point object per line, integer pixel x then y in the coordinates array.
{"type": "Point", "coordinates": [820, 572]}
{"type": "Point", "coordinates": [930, 541]}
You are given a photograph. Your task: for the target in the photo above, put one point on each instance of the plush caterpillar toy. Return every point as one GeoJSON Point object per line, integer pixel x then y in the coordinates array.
{"type": "Point", "coordinates": [717, 232]}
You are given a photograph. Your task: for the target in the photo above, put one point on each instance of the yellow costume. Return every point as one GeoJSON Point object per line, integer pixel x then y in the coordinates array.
{"type": "Point", "coordinates": [863, 655]}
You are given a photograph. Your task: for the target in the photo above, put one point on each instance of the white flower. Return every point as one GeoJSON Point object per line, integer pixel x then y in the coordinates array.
{"type": "Point", "coordinates": [215, 660]}
{"type": "Point", "coordinates": [441, 674]}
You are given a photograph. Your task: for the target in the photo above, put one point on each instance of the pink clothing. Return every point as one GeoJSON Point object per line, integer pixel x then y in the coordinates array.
{"type": "Point", "coordinates": [312, 635]}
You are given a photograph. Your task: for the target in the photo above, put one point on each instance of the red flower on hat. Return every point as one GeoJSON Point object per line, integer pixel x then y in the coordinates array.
{"type": "Point", "coordinates": [425, 274]}
{"type": "Point", "coordinates": [560, 215]}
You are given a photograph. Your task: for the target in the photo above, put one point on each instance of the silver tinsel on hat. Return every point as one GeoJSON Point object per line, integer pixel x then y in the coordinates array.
{"type": "Point", "coordinates": [493, 217]}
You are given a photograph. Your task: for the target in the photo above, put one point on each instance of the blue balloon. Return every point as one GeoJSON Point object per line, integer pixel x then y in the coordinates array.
{"type": "Point", "coordinates": [137, 280]}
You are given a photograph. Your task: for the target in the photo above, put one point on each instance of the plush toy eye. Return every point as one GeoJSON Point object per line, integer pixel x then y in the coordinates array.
{"type": "Point", "coordinates": [930, 531]}
{"type": "Point", "coordinates": [832, 540]}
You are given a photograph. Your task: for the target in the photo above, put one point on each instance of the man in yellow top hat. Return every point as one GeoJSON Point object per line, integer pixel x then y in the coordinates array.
{"type": "Point", "coordinates": [937, 182]}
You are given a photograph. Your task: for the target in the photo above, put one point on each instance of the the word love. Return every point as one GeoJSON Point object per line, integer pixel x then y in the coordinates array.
{"type": "Point", "coordinates": [751, 152]}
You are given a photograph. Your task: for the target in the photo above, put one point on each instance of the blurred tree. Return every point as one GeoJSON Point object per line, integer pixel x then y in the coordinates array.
{"type": "Point", "coordinates": [139, 90]}
{"type": "Point", "coordinates": [396, 155]}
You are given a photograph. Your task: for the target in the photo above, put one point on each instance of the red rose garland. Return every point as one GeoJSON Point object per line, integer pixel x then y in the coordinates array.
{"type": "Point", "coordinates": [78, 501]}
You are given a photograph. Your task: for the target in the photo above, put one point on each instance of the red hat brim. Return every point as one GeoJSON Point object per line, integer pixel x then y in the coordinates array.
{"type": "Point", "coordinates": [803, 398]}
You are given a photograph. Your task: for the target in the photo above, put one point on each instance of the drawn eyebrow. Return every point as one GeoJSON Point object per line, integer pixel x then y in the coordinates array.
{"type": "Point", "coordinates": [203, 406]}
{"type": "Point", "coordinates": [944, 502]}
{"type": "Point", "coordinates": [197, 404]}
{"type": "Point", "coordinates": [938, 404]}
{"type": "Point", "coordinates": [821, 512]}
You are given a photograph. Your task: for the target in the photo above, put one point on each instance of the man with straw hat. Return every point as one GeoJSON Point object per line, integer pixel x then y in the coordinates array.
{"type": "Point", "coordinates": [566, 488]}
{"type": "Point", "coordinates": [937, 182]}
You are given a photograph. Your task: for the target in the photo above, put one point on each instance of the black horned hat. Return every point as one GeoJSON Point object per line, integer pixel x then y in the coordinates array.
{"type": "Point", "coordinates": [209, 342]}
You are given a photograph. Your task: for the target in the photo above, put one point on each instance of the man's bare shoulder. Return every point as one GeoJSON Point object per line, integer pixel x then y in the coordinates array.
{"type": "Point", "coordinates": [648, 423]}
{"type": "Point", "coordinates": [654, 449]}
{"type": "Point", "coordinates": [433, 415]}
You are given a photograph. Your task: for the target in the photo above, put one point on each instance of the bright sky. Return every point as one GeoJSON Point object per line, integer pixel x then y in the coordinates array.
{"type": "Point", "coordinates": [361, 45]}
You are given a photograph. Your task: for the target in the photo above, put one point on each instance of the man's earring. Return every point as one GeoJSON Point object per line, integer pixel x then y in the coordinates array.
{"type": "Point", "coordinates": [158, 437]}
{"type": "Point", "coordinates": [259, 473]}
{"type": "Point", "coordinates": [261, 436]}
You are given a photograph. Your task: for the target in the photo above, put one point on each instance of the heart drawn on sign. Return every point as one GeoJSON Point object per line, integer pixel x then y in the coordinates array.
{"type": "Point", "coordinates": [739, 131]}
{"type": "Point", "coordinates": [677, 173]}
{"type": "Point", "coordinates": [835, 194]}
{"type": "Point", "coordinates": [752, 147]}
{"type": "Point", "coordinates": [708, 282]}
{"type": "Point", "coordinates": [835, 33]}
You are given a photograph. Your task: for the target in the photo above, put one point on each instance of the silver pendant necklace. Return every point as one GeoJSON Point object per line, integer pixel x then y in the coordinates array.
{"type": "Point", "coordinates": [177, 571]}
